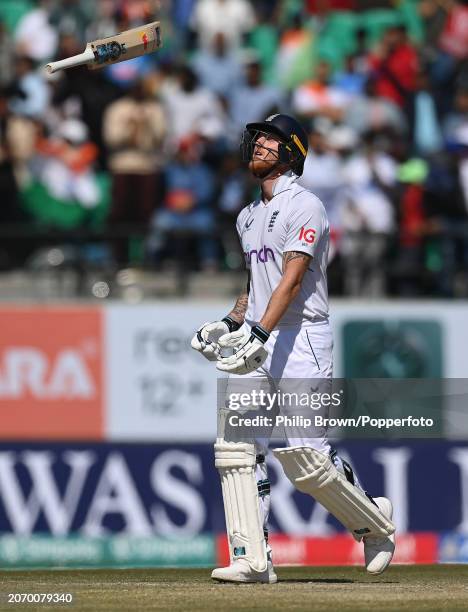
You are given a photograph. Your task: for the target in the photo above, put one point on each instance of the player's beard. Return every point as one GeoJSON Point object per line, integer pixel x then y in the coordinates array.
{"type": "Point", "coordinates": [261, 168]}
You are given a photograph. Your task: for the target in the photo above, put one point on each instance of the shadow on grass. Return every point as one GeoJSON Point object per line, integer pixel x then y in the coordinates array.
{"type": "Point", "coordinates": [332, 581]}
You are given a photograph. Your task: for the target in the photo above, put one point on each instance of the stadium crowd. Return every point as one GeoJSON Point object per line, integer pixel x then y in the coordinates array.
{"type": "Point", "coordinates": [149, 148]}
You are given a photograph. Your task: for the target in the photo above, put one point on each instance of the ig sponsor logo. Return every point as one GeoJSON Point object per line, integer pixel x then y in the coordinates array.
{"type": "Point", "coordinates": [307, 235]}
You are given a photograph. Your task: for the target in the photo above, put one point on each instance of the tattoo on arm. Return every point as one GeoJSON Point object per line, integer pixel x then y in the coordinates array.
{"type": "Point", "coordinates": [290, 255]}
{"type": "Point", "coordinates": [240, 308]}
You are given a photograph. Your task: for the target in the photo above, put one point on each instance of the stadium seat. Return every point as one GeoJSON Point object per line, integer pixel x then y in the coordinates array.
{"type": "Point", "coordinates": [375, 22]}
{"type": "Point", "coordinates": [341, 27]}
{"type": "Point", "coordinates": [11, 11]}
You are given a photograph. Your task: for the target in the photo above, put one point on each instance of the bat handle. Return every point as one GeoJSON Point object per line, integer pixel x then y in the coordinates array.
{"type": "Point", "coordinates": [70, 62]}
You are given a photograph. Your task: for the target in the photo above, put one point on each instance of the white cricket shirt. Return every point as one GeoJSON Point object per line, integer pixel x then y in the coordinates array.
{"type": "Point", "coordinates": [293, 220]}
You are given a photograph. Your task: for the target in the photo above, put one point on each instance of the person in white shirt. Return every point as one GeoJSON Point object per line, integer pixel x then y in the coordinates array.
{"type": "Point", "coordinates": [279, 332]}
{"type": "Point", "coordinates": [234, 18]}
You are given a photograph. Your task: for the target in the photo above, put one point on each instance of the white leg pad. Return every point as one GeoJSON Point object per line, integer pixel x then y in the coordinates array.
{"type": "Point", "coordinates": [236, 465]}
{"type": "Point", "coordinates": [313, 472]}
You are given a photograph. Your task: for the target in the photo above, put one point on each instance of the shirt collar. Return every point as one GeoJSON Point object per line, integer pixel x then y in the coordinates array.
{"type": "Point", "coordinates": [284, 182]}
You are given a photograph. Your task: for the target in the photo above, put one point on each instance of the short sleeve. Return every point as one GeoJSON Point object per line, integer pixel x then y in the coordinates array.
{"type": "Point", "coordinates": [305, 223]}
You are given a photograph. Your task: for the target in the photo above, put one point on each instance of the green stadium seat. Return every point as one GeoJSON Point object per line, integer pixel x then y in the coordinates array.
{"type": "Point", "coordinates": [11, 11]}
{"type": "Point", "coordinates": [375, 22]}
{"type": "Point", "coordinates": [341, 28]}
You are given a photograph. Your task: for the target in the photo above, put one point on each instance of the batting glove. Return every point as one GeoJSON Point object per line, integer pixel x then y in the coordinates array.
{"type": "Point", "coordinates": [207, 336]}
{"type": "Point", "coordinates": [249, 353]}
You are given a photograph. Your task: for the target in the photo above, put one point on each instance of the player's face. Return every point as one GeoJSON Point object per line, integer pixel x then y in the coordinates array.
{"type": "Point", "coordinates": [264, 156]}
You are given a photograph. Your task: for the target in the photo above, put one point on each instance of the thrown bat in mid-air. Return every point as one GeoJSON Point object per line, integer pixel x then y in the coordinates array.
{"type": "Point", "coordinates": [118, 48]}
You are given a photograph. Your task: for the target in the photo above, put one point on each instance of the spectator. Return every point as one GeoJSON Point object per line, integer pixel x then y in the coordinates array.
{"type": "Point", "coordinates": [16, 142]}
{"type": "Point", "coordinates": [6, 56]}
{"type": "Point", "coordinates": [105, 21]}
{"type": "Point", "coordinates": [458, 118]}
{"type": "Point", "coordinates": [82, 93]}
{"type": "Point", "coordinates": [188, 106]}
{"type": "Point", "coordinates": [69, 17]}
{"type": "Point", "coordinates": [323, 175]}
{"type": "Point", "coordinates": [34, 35]}
{"type": "Point", "coordinates": [371, 112]}
{"type": "Point", "coordinates": [218, 69]}
{"type": "Point", "coordinates": [67, 171]}
{"type": "Point", "coordinates": [446, 203]}
{"type": "Point", "coordinates": [426, 132]}
{"type": "Point", "coordinates": [450, 54]}
{"type": "Point", "coordinates": [367, 220]}
{"type": "Point", "coordinates": [255, 100]}
{"type": "Point", "coordinates": [350, 81]}
{"type": "Point", "coordinates": [394, 64]}
{"type": "Point", "coordinates": [134, 130]}
{"type": "Point", "coordinates": [8, 184]}
{"type": "Point", "coordinates": [294, 60]}
{"type": "Point", "coordinates": [30, 94]}
{"type": "Point", "coordinates": [234, 18]}
{"type": "Point", "coordinates": [188, 207]}
{"type": "Point", "coordinates": [317, 97]}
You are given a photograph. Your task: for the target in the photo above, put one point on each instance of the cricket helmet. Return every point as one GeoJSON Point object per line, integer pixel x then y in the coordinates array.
{"type": "Point", "coordinates": [293, 139]}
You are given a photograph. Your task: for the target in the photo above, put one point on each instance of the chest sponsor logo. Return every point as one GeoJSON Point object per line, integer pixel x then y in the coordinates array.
{"type": "Point", "coordinates": [307, 235]}
{"type": "Point", "coordinates": [262, 255]}
{"type": "Point", "coordinates": [271, 223]}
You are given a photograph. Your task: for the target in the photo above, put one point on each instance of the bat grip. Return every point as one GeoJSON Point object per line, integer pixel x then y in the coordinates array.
{"type": "Point", "coordinates": [70, 62]}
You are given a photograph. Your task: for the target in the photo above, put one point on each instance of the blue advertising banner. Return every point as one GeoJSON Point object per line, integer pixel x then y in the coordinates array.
{"type": "Point", "coordinates": [142, 490]}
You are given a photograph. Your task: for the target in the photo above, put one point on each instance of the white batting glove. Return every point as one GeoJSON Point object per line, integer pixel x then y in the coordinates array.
{"type": "Point", "coordinates": [207, 336]}
{"type": "Point", "coordinates": [249, 351]}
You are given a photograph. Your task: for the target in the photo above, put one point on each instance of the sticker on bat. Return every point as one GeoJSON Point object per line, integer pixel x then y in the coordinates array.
{"type": "Point", "coordinates": [108, 52]}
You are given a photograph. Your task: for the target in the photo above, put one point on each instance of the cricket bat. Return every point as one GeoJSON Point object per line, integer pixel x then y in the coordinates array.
{"type": "Point", "coordinates": [123, 46]}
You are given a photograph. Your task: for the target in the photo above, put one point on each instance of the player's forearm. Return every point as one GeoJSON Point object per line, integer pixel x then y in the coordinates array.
{"type": "Point", "coordinates": [284, 294]}
{"type": "Point", "coordinates": [240, 308]}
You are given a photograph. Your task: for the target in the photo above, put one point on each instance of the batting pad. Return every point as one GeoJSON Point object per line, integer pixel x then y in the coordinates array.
{"type": "Point", "coordinates": [313, 472]}
{"type": "Point", "coordinates": [236, 465]}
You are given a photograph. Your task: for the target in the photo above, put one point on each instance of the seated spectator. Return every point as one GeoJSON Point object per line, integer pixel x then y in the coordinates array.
{"type": "Point", "coordinates": [188, 104]}
{"type": "Point", "coordinates": [294, 59]}
{"type": "Point", "coordinates": [218, 68]}
{"type": "Point", "coordinates": [234, 18]}
{"type": "Point", "coordinates": [349, 80]}
{"type": "Point", "coordinates": [426, 130]}
{"type": "Point", "coordinates": [34, 34]}
{"type": "Point", "coordinates": [70, 17]}
{"type": "Point", "coordinates": [134, 128]}
{"type": "Point", "coordinates": [394, 65]}
{"type": "Point", "coordinates": [459, 115]}
{"type": "Point", "coordinates": [67, 170]}
{"type": "Point", "coordinates": [323, 175]}
{"type": "Point", "coordinates": [6, 55]}
{"type": "Point", "coordinates": [446, 203]}
{"type": "Point", "coordinates": [371, 112]}
{"type": "Point", "coordinates": [13, 137]}
{"type": "Point", "coordinates": [318, 97]}
{"type": "Point", "coordinates": [255, 100]}
{"type": "Point", "coordinates": [189, 187]}
{"type": "Point", "coordinates": [30, 93]}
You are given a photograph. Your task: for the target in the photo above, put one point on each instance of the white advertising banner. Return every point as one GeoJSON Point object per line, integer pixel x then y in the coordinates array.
{"type": "Point", "coordinates": [158, 387]}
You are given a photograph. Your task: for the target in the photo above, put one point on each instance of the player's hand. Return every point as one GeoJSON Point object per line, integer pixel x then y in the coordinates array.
{"type": "Point", "coordinates": [249, 351]}
{"type": "Point", "coordinates": [206, 339]}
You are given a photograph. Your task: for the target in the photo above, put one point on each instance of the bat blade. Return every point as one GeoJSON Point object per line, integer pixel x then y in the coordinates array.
{"type": "Point", "coordinates": [119, 48]}
{"type": "Point", "coordinates": [126, 45]}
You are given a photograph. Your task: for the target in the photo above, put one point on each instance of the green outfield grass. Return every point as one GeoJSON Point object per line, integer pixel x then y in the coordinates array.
{"type": "Point", "coordinates": [299, 588]}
